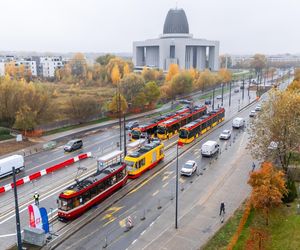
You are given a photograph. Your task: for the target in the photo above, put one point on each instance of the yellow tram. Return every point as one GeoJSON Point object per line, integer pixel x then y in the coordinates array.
{"type": "Point", "coordinates": [194, 129]}
{"type": "Point", "coordinates": [143, 159]}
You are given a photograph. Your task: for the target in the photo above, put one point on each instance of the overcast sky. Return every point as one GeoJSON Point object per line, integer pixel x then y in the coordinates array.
{"type": "Point", "coordinates": [241, 26]}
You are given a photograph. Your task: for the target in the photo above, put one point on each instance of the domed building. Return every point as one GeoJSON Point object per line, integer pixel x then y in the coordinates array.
{"type": "Point", "coordinates": [176, 45]}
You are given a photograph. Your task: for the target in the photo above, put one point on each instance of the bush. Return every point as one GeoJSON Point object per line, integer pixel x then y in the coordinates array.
{"type": "Point", "coordinates": [292, 192]}
{"type": "Point", "coordinates": [4, 131]}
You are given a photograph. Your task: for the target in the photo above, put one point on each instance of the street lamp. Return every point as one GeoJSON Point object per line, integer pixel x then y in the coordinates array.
{"type": "Point", "coordinates": [178, 145]}
{"type": "Point", "coordinates": [222, 85]}
{"type": "Point", "coordinates": [229, 93]}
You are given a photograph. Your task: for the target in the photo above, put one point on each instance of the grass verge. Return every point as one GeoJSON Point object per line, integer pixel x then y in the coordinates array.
{"type": "Point", "coordinates": [5, 137]}
{"type": "Point", "coordinates": [66, 128]}
{"type": "Point", "coordinates": [221, 239]}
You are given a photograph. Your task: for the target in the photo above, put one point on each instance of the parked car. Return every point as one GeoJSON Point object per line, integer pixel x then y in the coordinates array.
{"type": "Point", "coordinates": [219, 97]}
{"type": "Point", "coordinates": [225, 135]}
{"type": "Point", "coordinates": [185, 102]}
{"type": "Point", "coordinates": [236, 91]}
{"type": "Point", "coordinates": [189, 168]}
{"type": "Point", "coordinates": [258, 108]}
{"type": "Point", "coordinates": [73, 145]}
{"type": "Point", "coordinates": [238, 122]}
{"type": "Point", "coordinates": [6, 164]}
{"type": "Point", "coordinates": [207, 102]}
{"type": "Point", "coordinates": [132, 124]}
{"type": "Point", "coordinates": [252, 113]}
{"type": "Point", "coordinates": [209, 148]}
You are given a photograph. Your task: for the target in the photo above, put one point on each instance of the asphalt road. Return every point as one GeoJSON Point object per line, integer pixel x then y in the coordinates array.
{"type": "Point", "coordinates": [50, 186]}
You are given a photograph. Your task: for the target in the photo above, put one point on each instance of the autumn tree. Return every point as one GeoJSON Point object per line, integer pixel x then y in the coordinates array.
{"type": "Point", "coordinates": [225, 75]}
{"type": "Point", "coordinates": [82, 108]}
{"type": "Point", "coordinates": [104, 60]}
{"type": "Point", "coordinates": [268, 188]}
{"type": "Point", "coordinates": [78, 66]}
{"type": "Point", "coordinates": [131, 85]}
{"type": "Point", "coordinates": [114, 104]}
{"type": "Point", "coordinates": [225, 61]}
{"type": "Point", "coordinates": [115, 75]}
{"type": "Point", "coordinates": [182, 83]}
{"type": "Point", "coordinates": [259, 62]}
{"type": "Point", "coordinates": [205, 80]}
{"type": "Point", "coordinates": [275, 134]}
{"type": "Point", "coordinates": [152, 92]}
{"type": "Point", "coordinates": [26, 119]}
{"type": "Point", "coordinates": [126, 69]}
{"type": "Point", "coordinates": [148, 74]}
{"type": "Point", "coordinates": [116, 62]}
{"type": "Point", "coordinates": [173, 70]}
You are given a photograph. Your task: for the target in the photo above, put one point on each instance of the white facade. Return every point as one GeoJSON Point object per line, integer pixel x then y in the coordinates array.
{"type": "Point", "coordinates": [49, 65]}
{"type": "Point", "coordinates": [29, 65]}
{"type": "Point", "coordinates": [176, 46]}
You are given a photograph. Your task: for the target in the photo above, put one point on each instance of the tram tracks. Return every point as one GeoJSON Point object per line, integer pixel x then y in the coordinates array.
{"type": "Point", "coordinates": [71, 227]}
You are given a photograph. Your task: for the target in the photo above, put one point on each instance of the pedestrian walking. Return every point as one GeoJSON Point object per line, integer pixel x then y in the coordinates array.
{"type": "Point", "coordinates": [222, 208]}
{"type": "Point", "coordinates": [253, 166]}
{"type": "Point", "coordinates": [36, 198]}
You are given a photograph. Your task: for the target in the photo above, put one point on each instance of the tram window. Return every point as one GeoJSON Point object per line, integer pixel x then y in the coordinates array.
{"type": "Point", "coordinates": [113, 179]}
{"type": "Point", "coordinates": [76, 202]}
{"type": "Point", "coordinates": [100, 187]}
{"type": "Point", "coordinates": [93, 191]}
{"type": "Point", "coordinates": [64, 204]}
{"type": "Point", "coordinates": [141, 163]}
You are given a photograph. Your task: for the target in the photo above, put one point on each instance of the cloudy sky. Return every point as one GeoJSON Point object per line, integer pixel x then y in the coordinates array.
{"type": "Point", "coordinates": [241, 26]}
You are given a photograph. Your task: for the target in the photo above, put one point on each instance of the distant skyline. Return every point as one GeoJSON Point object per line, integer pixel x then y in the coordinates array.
{"type": "Point", "coordinates": [101, 26]}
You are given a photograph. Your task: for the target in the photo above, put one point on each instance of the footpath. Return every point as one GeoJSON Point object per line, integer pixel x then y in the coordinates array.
{"type": "Point", "coordinates": [198, 218]}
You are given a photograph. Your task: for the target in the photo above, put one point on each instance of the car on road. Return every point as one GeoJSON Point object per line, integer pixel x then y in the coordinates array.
{"type": "Point", "coordinates": [7, 164]}
{"type": "Point", "coordinates": [242, 87]}
{"type": "Point", "coordinates": [252, 113]}
{"type": "Point", "coordinates": [209, 148]}
{"type": "Point", "coordinates": [185, 102]}
{"type": "Point", "coordinates": [132, 124]}
{"type": "Point", "coordinates": [225, 135]}
{"type": "Point", "coordinates": [207, 102]}
{"type": "Point", "coordinates": [236, 91]}
{"type": "Point", "coordinates": [73, 145]}
{"type": "Point", "coordinates": [219, 97]}
{"type": "Point", "coordinates": [189, 168]}
{"type": "Point", "coordinates": [258, 107]}
{"type": "Point", "coordinates": [238, 122]}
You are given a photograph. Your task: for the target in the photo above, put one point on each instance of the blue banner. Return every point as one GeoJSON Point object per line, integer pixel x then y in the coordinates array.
{"type": "Point", "coordinates": [45, 220]}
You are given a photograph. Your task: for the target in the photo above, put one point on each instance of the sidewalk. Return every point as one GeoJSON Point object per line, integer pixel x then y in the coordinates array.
{"type": "Point", "coordinates": [198, 217]}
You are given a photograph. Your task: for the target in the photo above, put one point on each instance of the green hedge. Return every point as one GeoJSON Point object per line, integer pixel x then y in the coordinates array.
{"type": "Point", "coordinates": [4, 131]}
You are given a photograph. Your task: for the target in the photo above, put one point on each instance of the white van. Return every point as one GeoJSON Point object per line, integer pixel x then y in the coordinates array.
{"type": "Point", "coordinates": [238, 122]}
{"type": "Point", "coordinates": [209, 148]}
{"type": "Point", "coordinates": [6, 164]}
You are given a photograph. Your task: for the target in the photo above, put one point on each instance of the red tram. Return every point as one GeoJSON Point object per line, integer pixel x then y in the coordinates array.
{"type": "Point", "coordinates": [110, 176]}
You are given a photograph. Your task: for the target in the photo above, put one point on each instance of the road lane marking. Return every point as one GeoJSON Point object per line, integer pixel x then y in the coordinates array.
{"type": "Point", "coordinates": [165, 177]}
{"type": "Point", "coordinates": [165, 184]}
{"type": "Point", "coordinates": [134, 241]}
{"type": "Point", "coordinates": [155, 193]}
{"type": "Point", "coordinates": [110, 221]}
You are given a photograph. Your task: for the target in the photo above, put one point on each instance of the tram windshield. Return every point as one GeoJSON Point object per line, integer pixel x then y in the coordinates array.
{"type": "Point", "coordinates": [64, 204]}
{"type": "Point", "coordinates": [161, 130]}
{"type": "Point", "coordinates": [183, 133]}
{"type": "Point", "coordinates": [135, 133]}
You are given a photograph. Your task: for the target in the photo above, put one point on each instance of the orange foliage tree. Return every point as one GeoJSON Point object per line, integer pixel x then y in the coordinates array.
{"type": "Point", "coordinates": [173, 70]}
{"type": "Point", "coordinates": [268, 188]}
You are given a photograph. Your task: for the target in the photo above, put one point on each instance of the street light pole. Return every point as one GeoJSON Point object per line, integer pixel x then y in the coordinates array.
{"type": "Point", "coordinates": [17, 211]}
{"type": "Point", "coordinates": [222, 92]}
{"type": "Point", "coordinates": [176, 191]}
{"type": "Point", "coordinates": [125, 147]}
{"type": "Point", "coordinates": [213, 104]}
{"type": "Point", "coordinates": [120, 123]}
{"type": "Point", "coordinates": [229, 93]}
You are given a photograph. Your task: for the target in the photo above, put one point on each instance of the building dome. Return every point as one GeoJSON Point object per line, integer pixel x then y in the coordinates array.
{"type": "Point", "coordinates": [176, 22]}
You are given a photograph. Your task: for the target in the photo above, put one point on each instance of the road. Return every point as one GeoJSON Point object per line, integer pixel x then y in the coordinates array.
{"type": "Point", "coordinates": [50, 186]}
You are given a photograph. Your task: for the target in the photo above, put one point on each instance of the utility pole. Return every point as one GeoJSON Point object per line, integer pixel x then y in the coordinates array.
{"type": "Point", "coordinates": [125, 147]}
{"type": "Point", "coordinates": [17, 211]}
{"type": "Point", "coordinates": [120, 123]}
{"type": "Point", "coordinates": [249, 87]}
{"type": "Point", "coordinates": [176, 191]}
{"type": "Point", "coordinates": [213, 104]}
{"type": "Point", "coordinates": [229, 93]}
{"type": "Point", "coordinates": [243, 89]}
{"type": "Point", "coordinates": [222, 92]}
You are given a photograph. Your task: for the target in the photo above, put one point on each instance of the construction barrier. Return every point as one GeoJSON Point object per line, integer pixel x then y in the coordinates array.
{"type": "Point", "coordinates": [46, 171]}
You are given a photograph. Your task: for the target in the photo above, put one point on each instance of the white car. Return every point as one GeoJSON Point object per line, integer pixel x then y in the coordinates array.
{"type": "Point", "coordinates": [188, 168]}
{"type": "Point", "coordinates": [225, 135]}
{"type": "Point", "coordinates": [252, 113]}
{"type": "Point", "coordinates": [258, 108]}
{"type": "Point", "coordinates": [219, 97]}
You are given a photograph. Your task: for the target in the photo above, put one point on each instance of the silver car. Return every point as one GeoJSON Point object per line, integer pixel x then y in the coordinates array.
{"type": "Point", "coordinates": [188, 168]}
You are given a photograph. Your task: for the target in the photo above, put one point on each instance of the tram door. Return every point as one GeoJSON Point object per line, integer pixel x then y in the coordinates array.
{"type": "Point", "coordinates": [154, 156]}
